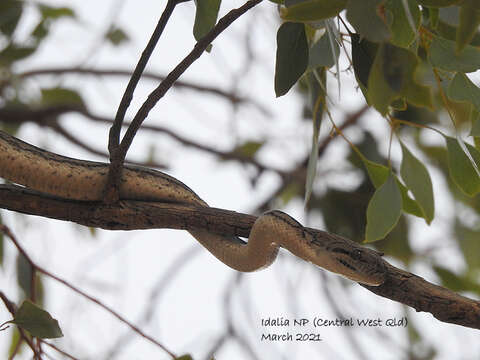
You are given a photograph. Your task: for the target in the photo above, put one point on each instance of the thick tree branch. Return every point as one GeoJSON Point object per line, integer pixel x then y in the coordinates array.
{"type": "Point", "coordinates": [400, 286]}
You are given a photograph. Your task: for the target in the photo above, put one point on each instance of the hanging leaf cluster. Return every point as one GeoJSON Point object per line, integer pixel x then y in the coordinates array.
{"type": "Point", "coordinates": [412, 54]}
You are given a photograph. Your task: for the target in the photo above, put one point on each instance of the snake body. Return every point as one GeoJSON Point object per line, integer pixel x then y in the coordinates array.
{"type": "Point", "coordinates": [75, 179]}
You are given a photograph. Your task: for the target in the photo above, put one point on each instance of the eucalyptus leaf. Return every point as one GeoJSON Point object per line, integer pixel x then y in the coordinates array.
{"type": "Point", "coordinates": [442, 54]}
{"type": "Point", "coordinates": [205, 17]}
{"type": "Point", "coordinates": [313, 10]}
{"type": "Point", "coordinates": [117, 36]}
{"type": "Point", "coordinates": [371, 27]}
{"type": "Point", "coordinates": [61, 96]}
{"type": "Point", "coordinates": [322, 53]}
{"type": "Point", "coordinates": [10, 13]}
{"type": "Point", "coordinates": [475, 118]}
{"type": "Point", "coordinates": [378, 174]}
{"type": "Point", "coordinates": [317, 86]}
{"type": "Point", "coordinates": [384, 210]}
{"type": "Point", "coordinates": [462, 89]}
{"type": "Point", "coordinates": [398, 21]}
{"type": "Point", "coordinates": [418, 181]}
{"type": "Point", "coordinates": [37, 321]}
{"type": "Point", "coordinates": [184, 357]}
{"type": "Point", "coordinates": [292, 56]}
{"type": "Point", "coordinates": [438, 3]}
{"type": "Point", "coordinates": [393, 76]}
{"type": "Point", "coordinates": [363, 56]}
{"type": "Point", "coordinates": [461, 168]}
{"type": "Point", "coordinates": [468, 24]}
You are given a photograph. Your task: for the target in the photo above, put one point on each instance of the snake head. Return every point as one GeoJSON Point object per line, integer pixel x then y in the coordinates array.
{"type": "Point", "coordinates": [359, 264]}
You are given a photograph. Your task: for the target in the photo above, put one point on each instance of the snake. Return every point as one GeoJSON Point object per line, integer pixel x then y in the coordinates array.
{"type": "Point", "coordinates": [73, 179]}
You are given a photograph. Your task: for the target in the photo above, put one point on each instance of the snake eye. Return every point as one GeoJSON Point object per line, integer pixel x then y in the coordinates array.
{"type": "Point", "coordinates": [356, 254]}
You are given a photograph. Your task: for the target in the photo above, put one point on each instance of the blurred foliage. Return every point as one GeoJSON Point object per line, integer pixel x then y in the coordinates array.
{"type": "Point", "coordinates": [412, 61]}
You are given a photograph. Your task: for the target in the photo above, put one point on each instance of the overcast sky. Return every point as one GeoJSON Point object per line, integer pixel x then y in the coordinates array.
{"type": "Point", "coordinates": [123, 269]}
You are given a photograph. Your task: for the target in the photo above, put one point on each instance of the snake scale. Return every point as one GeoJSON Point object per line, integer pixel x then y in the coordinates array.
{"type": "Point", "coordinates": [74, 179]}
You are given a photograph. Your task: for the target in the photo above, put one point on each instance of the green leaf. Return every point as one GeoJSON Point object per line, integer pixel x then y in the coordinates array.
{"type": "Point", "coordinates": [442, 54]}
{"type": "Point", "coordinates": [49, 15]}
{"type": "Point", "coordinates": [417, 179]}
{"type": "Point", "coordinates": [10, 13]}
{"type": "Point", "coordinates": [289, 3]}
{"type": "Point", "coordinates": [378, 174]}
{"type": "Point", "coordinates": [289, 192]}
{"type": "Point", "coordinates": [365, 18]}
{"type": "Point", "coordinates": [292, 56]}
{"type": "Point", "coordinates": [24, 274]}
{"type": "Point", "coordinates": [205, 17]}
{"type": "Point", "coordinates": [398, 21]}
{"type": "Point", "coordinates": [248, 148]}
{"type": "Point", "coordinates": [393, 76]}
{"type": "Point", "coordinates": [317, 109]}
{"type": "Point", "coordinates": [313, 10]}
{"type": "Point", "coordinates": [184, 357]}
{"type": "Point", "coordinates": [41, 30]}
{"type": "Point", "coordinates": [449, 20]}
{"type": "Point", "coordinates": [454, 282]}
{"type": "Point", "coordinates": [437, 3]}
{"type": "Point", "coordinates": [434, 17]}
{"type": "Point", "coordinates": [15, 346]}
{"type": "Point", "coordinates": [475, 117]}
{"type": "Point", "coordinates": [463, 90]}
{"type": "Point", "coordinates": [461, 168]}
{"type": "Point", "coordinates": [468, 25]}
{"type": "Point", "coordinates": [363, 56]}
{"type": "Point", "coordinates": [13, 53]}
{"type": "Point", "coordinates": [36, 321]}
{"type": "Point", "coordinates": [322, 53]}
{"type": "Point", "coordinates": [52, 12]}
{"type": "Point", "coordinates": [383, 210]}
{"type": "Point", "coordinates": [469, 244]}
{"type": "Point", "coordinates": [116, 36]}
{"type": "Point", "coordinates": [61, 96]}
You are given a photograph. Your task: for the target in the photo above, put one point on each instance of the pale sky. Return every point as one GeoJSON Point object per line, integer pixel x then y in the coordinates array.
{"type": "Point", "coordinates": [123, 268]}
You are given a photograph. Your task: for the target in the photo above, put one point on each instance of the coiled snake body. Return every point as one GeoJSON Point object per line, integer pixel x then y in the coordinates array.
{"type": "Point", "coordinates": [74, 179]}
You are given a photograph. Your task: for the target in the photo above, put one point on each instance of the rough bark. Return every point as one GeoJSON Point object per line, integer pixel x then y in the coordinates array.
{"type": "Point", "coordinates": [400, 286]}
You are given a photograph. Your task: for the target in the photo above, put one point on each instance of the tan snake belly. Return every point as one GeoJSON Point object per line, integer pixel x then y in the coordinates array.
{"type": "Point", "coordinates": [74, 179]}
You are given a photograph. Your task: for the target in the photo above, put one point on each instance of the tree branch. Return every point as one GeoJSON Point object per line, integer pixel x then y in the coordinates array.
{"type": "Point", "coordinates": [400, 286]}
{"type": "Point", "coordinates": [230, 96]}
{"type": "Point", "coordinates": [118, 156]}
{"type": "Point", "coordinates": [114, 139]}
{"type": "Point", "coordinates": [49, 117]}
{"type": "Point", "coordinates": [5, 230]}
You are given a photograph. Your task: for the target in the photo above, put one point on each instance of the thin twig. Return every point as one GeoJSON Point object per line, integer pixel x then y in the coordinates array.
{"type": "Point", "coordinates": [5, 230]}
{"type": "Point", "coordinates": [73, 139]}
{"type": "Point", "coordinates": [11, 307]}
{"type": "Point", "coordinates": [57, 349]}
{"type": "Point", "coordinates": [299, 173]}
{"type": "Point", "coordinates": [118, 156]}
{"type": "Point", "coordinates": [167, 278]}
{"type": "Point", "coordinates": [114, 138]}
{"type": "Point", "coordinates": [44, 116]}
{"type": "Point", "coordinates": [180, 84]}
